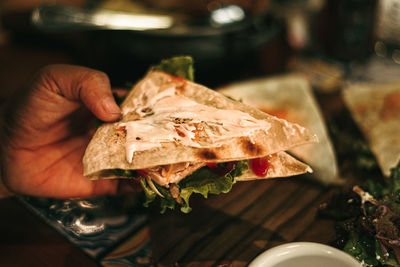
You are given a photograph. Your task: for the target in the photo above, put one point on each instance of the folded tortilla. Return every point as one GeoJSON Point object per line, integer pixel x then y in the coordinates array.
{"type": "Point", "coordinates": [168, 121]}
{"type": "Point", "coordinates": [376, 109]}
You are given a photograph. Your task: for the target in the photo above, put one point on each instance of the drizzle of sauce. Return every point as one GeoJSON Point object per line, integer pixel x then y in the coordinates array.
{"type": "Point", "coordinates": [177, 118]}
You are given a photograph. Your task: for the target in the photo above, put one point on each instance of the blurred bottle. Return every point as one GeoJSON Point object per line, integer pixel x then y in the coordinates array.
{"type": "Point", "coordinates": [298, 17]}
{"type": "Point", "coordinates": [345, 29]}
{"type": "Point", "coordinates": [387, 30]}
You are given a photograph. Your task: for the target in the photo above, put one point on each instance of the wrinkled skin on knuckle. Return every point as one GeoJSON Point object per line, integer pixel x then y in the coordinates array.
{"type": "Point", "coordinates": [94, 77]}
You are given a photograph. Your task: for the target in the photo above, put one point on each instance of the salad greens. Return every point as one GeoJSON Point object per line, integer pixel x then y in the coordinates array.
{"type": "Point", "coordinates": [367, 217]}
{"type": "Point", "coordinates": [368, 221]}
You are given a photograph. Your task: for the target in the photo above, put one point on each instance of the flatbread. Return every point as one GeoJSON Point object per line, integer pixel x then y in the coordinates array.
{"type": "Point", "coordinates": [376, 110]}
{"type": "Point", "coordinates": [107, 150]}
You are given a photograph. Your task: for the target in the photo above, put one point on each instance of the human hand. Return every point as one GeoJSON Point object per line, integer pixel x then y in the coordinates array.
{"type": "Point", "coordinates": [47, 129]}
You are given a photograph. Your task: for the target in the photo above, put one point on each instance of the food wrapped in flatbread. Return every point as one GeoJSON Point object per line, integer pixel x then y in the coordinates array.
{"type": "Point", "coordinates": [376, 110]}
{"type": "Point", "coordinates": [180, 138]}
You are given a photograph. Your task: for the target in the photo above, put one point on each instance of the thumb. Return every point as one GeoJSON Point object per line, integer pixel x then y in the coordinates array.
{"type": "Point", "coordinates": [90, 86]}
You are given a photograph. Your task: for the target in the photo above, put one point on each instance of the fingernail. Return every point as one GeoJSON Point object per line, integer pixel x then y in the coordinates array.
{"type": "Point", "coordinates": [110, 106]}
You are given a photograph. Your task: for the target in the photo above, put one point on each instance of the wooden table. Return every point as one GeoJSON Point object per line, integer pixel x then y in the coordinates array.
{"type": "Point", "coordinates": [232, 229]}
{"type": "Point", "coordinates": [224, 230]}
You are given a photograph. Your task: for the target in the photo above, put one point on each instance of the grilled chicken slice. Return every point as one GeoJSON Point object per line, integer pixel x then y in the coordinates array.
{"type": "Point", "coordinates": [169, 174]}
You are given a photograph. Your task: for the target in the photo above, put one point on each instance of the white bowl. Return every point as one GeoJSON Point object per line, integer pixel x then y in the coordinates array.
{"type": "Point", "coordinates": [304, 254]}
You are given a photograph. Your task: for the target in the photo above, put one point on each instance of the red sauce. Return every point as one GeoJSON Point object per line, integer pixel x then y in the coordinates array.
{"type": "Point", "coordinates": [211, 164]}
{"type": "Point", "coordinates": [179, 132]}
{"type": "Point", "coordinates": [180, 88]}
{"type": "Point", "coordinates": [259, 166]}
{"type": "Point", "coordinates": [279, 113]}
{"type": "Point", "coordinates": [180, 79]}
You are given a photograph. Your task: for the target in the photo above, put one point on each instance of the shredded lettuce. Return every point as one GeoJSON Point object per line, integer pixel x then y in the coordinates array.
{"type": "Point", "coordinates": [203, 181]}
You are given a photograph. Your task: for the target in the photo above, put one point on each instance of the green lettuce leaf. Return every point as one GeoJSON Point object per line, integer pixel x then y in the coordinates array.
{"type": "Point", "coordinates": [167, 202]}
{"type": "Point", "coordinates": [205, 182]}
{"type": "Point", "coordinates": [149, 193]}
{"type": "Point", "coordinates": [202, 181]}
{"type": "Point", "coordinates": [181, 66]}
